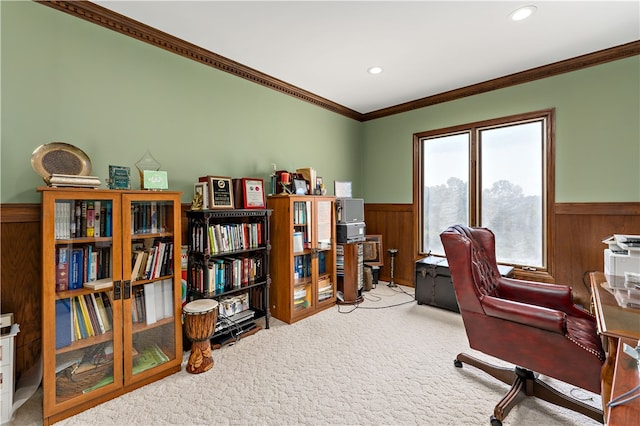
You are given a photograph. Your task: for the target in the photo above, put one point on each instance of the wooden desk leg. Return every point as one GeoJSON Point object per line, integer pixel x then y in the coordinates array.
{"type": "Point", "coordinates": [606, 375]}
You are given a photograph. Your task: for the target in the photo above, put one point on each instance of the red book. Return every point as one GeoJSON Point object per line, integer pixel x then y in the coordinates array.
{"type": "Point", "coordinates": [62, 268]}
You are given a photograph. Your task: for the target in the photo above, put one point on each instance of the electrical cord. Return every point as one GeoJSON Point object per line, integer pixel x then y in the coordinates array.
{"type": "Point", "coordinates": [397, 290]}
{"type": "Point", "coordinates": [624, 398]}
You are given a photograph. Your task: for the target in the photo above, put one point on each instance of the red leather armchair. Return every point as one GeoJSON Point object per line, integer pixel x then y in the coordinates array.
{"type": "Point", "coordinates": [535, 326]}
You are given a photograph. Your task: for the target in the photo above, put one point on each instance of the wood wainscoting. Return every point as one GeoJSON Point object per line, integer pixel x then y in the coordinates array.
{"type": "Point", "coordinates": [20, 278]}
{"type": "Point", "coordinates": [580, 228]}
{"type": "Point", "coordinates": [577, 247]}
{"type": "Point", "coordinates": [395, 223]}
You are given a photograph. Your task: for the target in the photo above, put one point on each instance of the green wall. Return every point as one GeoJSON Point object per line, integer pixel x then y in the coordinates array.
{"type": "Point", "coordinates": [64, 79]}
{"type": "Point", "coordinates": [597, 133]}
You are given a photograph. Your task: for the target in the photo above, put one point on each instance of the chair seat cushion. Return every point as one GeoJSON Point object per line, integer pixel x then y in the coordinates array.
{"type": "Point", "coordinates": [583, 332]}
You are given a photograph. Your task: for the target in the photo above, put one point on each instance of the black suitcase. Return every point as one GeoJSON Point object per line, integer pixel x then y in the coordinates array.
{"type": "Point", "coordinates": [434, 286]}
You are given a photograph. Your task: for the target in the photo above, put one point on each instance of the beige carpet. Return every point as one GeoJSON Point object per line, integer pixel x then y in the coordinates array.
{"type": "Point", "coordinates": [344, 366]}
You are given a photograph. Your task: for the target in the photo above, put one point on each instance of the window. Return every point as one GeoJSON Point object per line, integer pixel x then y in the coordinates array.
{"type": "Point", "coordinates": [496, 174]}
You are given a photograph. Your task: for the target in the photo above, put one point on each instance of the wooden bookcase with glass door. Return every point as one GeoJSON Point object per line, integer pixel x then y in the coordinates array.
{"type": "Point", "coordinates": [303, 255]}
{"type": "Point", "coordinates": [106, 331]}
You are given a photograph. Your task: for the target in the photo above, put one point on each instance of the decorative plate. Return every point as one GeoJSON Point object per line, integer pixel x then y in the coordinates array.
{"type": "Point", "coordinates": [60, 158]}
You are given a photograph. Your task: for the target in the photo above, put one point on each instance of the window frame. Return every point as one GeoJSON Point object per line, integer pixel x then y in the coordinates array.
{"type": "Point", "coordinates": [473, 129]}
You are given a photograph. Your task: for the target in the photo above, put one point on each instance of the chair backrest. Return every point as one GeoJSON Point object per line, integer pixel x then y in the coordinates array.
{"type": "Point", "coordinates": [472, 261]}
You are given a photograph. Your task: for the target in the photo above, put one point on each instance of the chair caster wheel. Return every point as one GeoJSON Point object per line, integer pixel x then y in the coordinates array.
{"type": "Point", "coordinates": [495, 422]}
{"type": "Point", "coordinates": [457, 363]}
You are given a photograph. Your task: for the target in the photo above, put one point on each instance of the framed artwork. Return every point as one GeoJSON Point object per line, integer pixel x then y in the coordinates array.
{"type": "Point", "coordinates": [299, 186]}
{"type": "Point", "coordinates": [372, 250]}
{"type": "Point", "coordinates": [342, 189]}
{"type": "Point", "coordinates": [220, 192]}
{"type": "Point", "coordinates": [253, 193]}
{"type": "Point", "coordinates": [200, 196]}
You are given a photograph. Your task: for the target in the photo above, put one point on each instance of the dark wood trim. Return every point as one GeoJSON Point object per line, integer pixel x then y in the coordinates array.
{"type": "Point", "coordinates": [545, 71]}
{"type": "Point", "coordinates": [20, 213]}
{"type": "Point", "coordinates": [373, 207]}
{"type": "Point", "coordinates": [604, 209]}
{"type": "Point", "coordinates": [114, 21]}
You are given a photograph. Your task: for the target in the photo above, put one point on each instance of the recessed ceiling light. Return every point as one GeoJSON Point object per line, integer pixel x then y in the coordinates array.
{"type": "Point", "coordinates": [523, 13]}
{"type": "Point", "coordinates": [374, 70]}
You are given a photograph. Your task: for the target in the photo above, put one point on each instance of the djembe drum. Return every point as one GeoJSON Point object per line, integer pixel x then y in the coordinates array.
{"type": "Point", "coordinates": [200, 317]}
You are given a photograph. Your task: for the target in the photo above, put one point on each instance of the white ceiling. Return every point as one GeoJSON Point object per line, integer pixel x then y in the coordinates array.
{"type": "Point", "coordinates": [425, 47]}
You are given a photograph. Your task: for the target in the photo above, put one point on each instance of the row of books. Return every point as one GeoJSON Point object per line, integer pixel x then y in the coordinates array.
{"type": "Point", "coordinates": [153, 262]}
{"type": "Point", "coordinates": [224, 274]}
{"type": "Point", "coordinates": [301, 212]}
{"type": "Point", "coordinates": [83, 316]}
{"type": "Point", "coordinates": [301, 266]}
{"type": "Point", "coordinates": [82, 218]}
{"type": "Point", "coordinates": [152, 302]}
{"type": "Point", "coordinates": [226, 237]}
{"type": "Point", "coordinates": [78, 265]}
{"type": "Point", "coordinates": [149, 217]}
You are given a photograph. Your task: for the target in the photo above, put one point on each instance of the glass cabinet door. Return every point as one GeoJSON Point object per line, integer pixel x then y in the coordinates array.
{"type": "Point", "coordinates": [84, 265]}
{"type": "Point", "coordinates": [326, 287]}
{"type": "Point", "coordinates": [302, 257]}
{"type": "Point", "coordinates": [149, 286]}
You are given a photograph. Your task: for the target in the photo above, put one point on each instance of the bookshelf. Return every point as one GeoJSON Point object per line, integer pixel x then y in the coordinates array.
{"type": "Point", "coordinates": [228, 260]}
{"type": "Point", "coordinates": [350, 270]}
{"type": "Point", "coordinates": [303, 260]}
{"type": "Point", "coordinates": [105, 332]}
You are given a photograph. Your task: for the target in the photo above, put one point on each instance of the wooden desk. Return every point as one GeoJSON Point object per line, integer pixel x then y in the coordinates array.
{"type": "Point", "coordinates": [616, 325]}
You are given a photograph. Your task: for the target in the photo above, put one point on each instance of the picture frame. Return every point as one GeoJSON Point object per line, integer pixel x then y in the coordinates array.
{"type": "Point", "coordinates": [342, 189]}
{"type": "Point", "coordinates": [220, 192]}
{"type": "Point", "coordinates": [253, 193]}
{"type": "Point", "coordinates": [200, 195]}
{"type": "Point", "coordinates": [299, 187]}
{"type": "Point", "coordinates": [119, 177]}
{"type": "Point", "coordinates": [373, 252]}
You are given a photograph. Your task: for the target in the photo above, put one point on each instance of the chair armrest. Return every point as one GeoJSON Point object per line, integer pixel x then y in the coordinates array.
{"type": "Point", "coordinates": [522, 313]}
{"type": "Point", "coordinates": [552, 296]}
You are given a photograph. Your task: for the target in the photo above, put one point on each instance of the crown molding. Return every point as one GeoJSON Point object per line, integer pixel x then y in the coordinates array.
{"type": "Point", "coordinates": [545, 71]}
{"type": "Point", "coordinates": [106, 18]}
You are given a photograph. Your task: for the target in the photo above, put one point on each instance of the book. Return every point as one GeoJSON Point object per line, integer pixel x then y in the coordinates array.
{"type": "Point", "coordinates": [91, 312]}
{"type": "Point", "coordinates": [159, 293]}
{"type": "Point", "coordinates": [96, 218]}
{"type": "Point", "coordinates": [150, 303]}
{"type": "Point", "coordinates": [83, 218]}
{"type": "Point", "coordinates": [79, 318]}
{"type": "Point", "coordinates": [90, 218]}
{"type": "Point", "coordinates": [93, 266]}
{"type": "Point", "coordinates": [107, 219]}
{"type": "Point", "coordinates": [100, 284]}
{"type": "Point", "coordinates": [102, 311]}
{"type": "Point", "coordinates": [62, 268]}
{"type": "Point", "coordinates": [106, 301]}
{"type": "Point", "coordinates": [167, 296]}
{"type": "Point", "coordinates": [63, 323]}
{"type": "Point", "coordinates": [86, 320]}
{"type": "Point", "coordinates": [65, 180]}
{"type": "Point", "coordinates": [139, 255]}
{"type": "Point", "coordinates": [98, 316]}
{"type": "Point", "coordinates": [75, 270]}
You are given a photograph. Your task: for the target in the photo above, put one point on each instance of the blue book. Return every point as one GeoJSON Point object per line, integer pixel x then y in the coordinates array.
{"type": "Point", "coordinates": [76, 271]}
{"type": "Point", "coordinates": [63, 323]}
{"type": "Point", "coordinates": [107, 218]}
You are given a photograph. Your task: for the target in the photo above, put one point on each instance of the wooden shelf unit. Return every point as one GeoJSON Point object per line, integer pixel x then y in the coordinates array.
{"type": "Point", "coordinates": [303, 258]}
{"type": "Point", "coordinates": [81, 368]}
